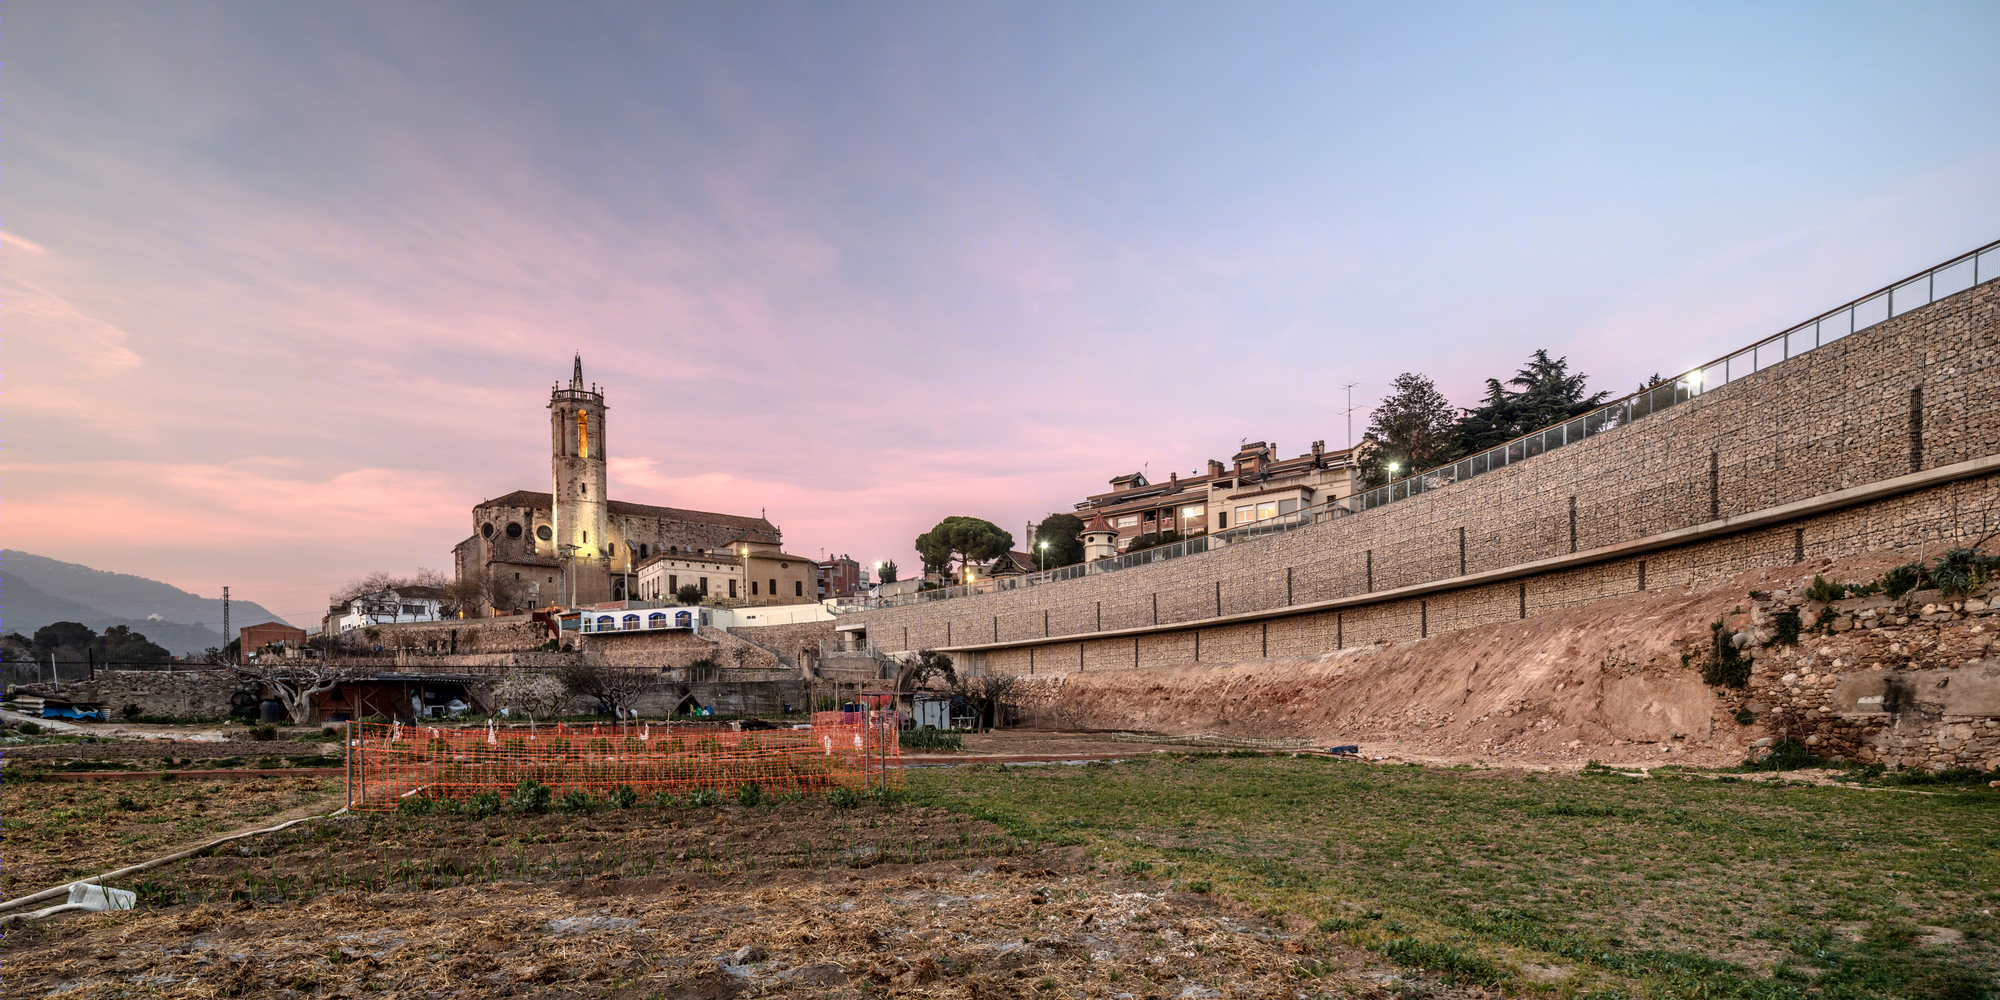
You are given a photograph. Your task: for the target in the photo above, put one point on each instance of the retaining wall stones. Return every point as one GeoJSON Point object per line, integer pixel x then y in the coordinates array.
{"type": "Point", "coordinates": [1920, 391]}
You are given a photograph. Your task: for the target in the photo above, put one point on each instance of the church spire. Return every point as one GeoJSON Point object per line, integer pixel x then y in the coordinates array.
{"type": "Point", "coordinates": [576, 380]}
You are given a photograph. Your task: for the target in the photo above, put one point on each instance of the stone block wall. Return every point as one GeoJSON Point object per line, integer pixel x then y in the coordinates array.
{"type": "Point", "coordinates": [1962, 510]}
{"type": "Point", "coordinates": [1919, 391]}
{"type": "Point", "coordinates": [788, 640]}
{"type": "Point", "coordinates": [187, 694]}
{"type": "Point", "coordinates": [1912, 682]}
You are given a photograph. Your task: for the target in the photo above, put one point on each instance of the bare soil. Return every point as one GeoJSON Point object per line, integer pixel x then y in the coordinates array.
{"type": "Point", "coordinates": [1599, 681]}
{"type": "Point", "coordinates": [798, 900]}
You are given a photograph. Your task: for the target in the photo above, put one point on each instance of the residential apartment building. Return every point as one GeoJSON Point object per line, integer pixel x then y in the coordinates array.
{"type": "Point", "coordinates": [841, 577]}
{"type": "Point", "coordinates": [387, 607]}
{"type": "Point", "coordinates": [1255, 486]}
{"type": "Point", "coordinates": [752, 571]}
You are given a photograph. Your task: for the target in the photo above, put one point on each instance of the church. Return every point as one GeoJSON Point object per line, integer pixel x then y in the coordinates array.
{"type": "Point", "coordinates": [574, 544]}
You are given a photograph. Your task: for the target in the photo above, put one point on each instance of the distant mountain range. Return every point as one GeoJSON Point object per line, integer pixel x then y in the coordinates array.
{"type": "Point", "coordinates": [37, 591]}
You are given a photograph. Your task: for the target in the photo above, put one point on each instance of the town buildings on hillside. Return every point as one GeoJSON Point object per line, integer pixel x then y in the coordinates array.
{"type": "Point", "coordinates": [386, 607]}
{"type": "Point", "coordinates": [1255, 486]}
{"type": "Point", "coordinates": [752, 571]}
{"type": "Point", "coordinates": [841, 577]}
{"type": "Point", "coordinates": [575, 545]}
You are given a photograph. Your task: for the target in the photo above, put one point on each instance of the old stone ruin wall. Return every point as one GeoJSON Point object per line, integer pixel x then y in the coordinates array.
{"type": "Point", "coordinates": [1913, 682]}
{"type": "Point", "coordinates": [196, 693]}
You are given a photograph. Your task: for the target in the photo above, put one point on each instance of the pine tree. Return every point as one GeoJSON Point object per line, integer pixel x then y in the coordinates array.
{"type": "Point", "coordinates": [1411, 430]}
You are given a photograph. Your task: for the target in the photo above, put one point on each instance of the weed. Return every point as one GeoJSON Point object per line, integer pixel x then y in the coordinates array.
{"type": "Point", "coordinates": [415, 805]}
{"type": "Point", "coordinates": [530, 797]}
{"type": "Point", "coordinates": [1202, 886]}
{"type": "Point", "coordinates": [483, 804]}
{"type": "Point", "coordinates": [749, 793]}
{"type": "Point", "coordinates": [843, 798]}
{"type": "Point", "coordinates": [1456, 965]}
{"type": "Point", "coordinates": [702, 797]}
{"type": "Point", "coordinates": [1138, 867]}
{"type": "Point", "coordinates": [1823, 624]}
{"type": "Point", "coordinates": [1744, 716]}
{"type": "Point", "coordinates": [263, 734]}
{"type": "Point", "coordinates": [623, 797]}
{"type": "Point", "coordinates": [575, 802]}
{"type": "Point", "coordinates": [664, 799]}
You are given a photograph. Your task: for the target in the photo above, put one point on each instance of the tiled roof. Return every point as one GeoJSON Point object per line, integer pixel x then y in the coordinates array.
{"type": "Point", "coordinates": [1098, 523]}
{"type": "Point", "coordinates": [543, 501]}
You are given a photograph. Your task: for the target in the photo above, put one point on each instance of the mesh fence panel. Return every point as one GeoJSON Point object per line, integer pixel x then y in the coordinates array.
{"type": "Point", "coordinates": [388, 762]}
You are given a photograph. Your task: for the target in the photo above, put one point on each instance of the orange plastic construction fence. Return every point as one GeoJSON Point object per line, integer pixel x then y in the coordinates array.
{"type": "Point", "coordinates": [388, 762]}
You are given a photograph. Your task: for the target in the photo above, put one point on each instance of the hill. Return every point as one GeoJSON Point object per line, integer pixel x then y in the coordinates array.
{"type": "Point", "coordinates": [37, 591]}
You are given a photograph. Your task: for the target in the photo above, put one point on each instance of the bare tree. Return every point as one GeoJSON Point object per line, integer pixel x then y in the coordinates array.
{"type": "Point", "coordinates": [296, 682]}
{"type": "Point", "coordinates": [985, 694]}
{"type": "Point", "coordinates": [470, 597]}
{"type": "Point", "coordinates": [614, 687]}
{"type": "Point", "coordinates": [919, 670]}
{"type": "Point", "coordinates": [540, 695]}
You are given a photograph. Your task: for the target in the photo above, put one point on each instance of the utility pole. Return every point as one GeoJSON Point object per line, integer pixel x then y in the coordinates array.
{"type": "Point", "coordinates": [225, 627]}
{"type": "Point", "coordinates": [1349, 388]}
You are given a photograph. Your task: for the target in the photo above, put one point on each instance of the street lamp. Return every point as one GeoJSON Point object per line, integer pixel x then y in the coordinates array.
{"type": "Point", "coordinates": [1043, 555]}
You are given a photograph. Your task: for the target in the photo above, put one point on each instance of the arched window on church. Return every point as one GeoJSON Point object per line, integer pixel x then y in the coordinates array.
{"type": "Point", "coordinates": [582, 434]}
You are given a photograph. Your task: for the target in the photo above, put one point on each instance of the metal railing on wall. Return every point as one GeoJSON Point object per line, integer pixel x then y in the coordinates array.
{"type": "Point", "coordinates": [1963, 272]}
{"type": "Point", "coordinates": [1278, 524]}
{"type": "Point", "coordinates": [1953, 276]}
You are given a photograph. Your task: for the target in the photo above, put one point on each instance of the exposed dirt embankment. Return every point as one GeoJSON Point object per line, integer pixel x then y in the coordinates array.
{"type": "Point", "coordinates": [1604, 680]}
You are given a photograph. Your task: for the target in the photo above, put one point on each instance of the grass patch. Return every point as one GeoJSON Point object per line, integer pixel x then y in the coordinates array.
{"type": "Point", "coordinates": [1637, 888]}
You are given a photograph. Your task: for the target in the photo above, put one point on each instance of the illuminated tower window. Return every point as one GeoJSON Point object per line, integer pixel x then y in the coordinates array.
{"type": "Point", "coordinates": [582, 436]}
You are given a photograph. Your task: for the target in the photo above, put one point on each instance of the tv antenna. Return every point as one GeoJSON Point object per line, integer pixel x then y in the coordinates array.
{"type": "Point", "coordinates": [1349, 389]}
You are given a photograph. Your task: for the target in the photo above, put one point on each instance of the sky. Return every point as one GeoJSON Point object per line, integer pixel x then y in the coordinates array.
{"type": "Point", "coordinates": [283, 287]}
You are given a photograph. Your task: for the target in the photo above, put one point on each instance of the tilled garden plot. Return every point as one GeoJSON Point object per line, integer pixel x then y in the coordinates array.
{"type": "Point", "coordinates": [799, 899]}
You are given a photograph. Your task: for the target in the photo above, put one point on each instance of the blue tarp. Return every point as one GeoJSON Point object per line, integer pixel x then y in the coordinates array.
{"type": "Point", "coordinates": [72, 712]}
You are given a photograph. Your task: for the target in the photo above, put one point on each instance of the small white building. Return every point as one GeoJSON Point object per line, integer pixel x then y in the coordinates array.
{"type": "Point", "coordinates": [389, 607]}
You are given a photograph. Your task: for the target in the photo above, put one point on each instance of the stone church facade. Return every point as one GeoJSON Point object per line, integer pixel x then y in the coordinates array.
{"type": "Point", "coordinates": [574, 544]}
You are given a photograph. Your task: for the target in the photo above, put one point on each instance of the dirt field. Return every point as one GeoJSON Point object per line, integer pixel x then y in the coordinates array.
{"type": "Point", "coordinates": [801, 899]}
{"type": "Point", "coordinates": [57, 832]}
{"type": "Point", "coordinates": [1176, 875]}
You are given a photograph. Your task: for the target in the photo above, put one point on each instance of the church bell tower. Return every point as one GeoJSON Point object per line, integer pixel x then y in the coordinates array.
{"type": "Point", "coordinates": [582, 546]}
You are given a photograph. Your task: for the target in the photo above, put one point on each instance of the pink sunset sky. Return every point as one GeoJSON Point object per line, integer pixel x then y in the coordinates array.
{"type": "Point", "coordinates": [286, 285]}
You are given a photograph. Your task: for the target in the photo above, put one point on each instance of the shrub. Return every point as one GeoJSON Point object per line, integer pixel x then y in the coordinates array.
{"type": "Point", "coordinates": [131, 712]}
{"type": "Point", "coordinates": [1961, 571]}
{"type": "Point", "coordinates": [415, 805]}
{"type": "Point", "coordinates": [130, 804]}
{"type": "Point", "coordinates": [530, 797]}
{"type": "Point", "coordinates": [263, 733]}
{"type": "Point", "coordinates": [1902, 579]}
{"type": "Point", "coordinates": [483, 804]}
{"type": "Point", "coordinates": [29, 728]}
{"type": "Point", "coordinates": [703, 797]}
{"type": "Point", "coordinates": [1744, 716]}
{"type": "Point", "coordinates": [663, 799]}
{"type": "Point", "coordinates": [843, 798]}
{"type": "Point", "coordinates": [749, 793]}
{"type": "Point", "coordinates": [1785, 755]}
{"type": "Point", "coordinates": [574, 802]}
{"type": "Point", "coordinates": [1726, 665]}
{"type": "Point", "coordinates": [623, 797]}
{"type": "Point", "coordinates": [930, 739]}
{"type": "Point", "coordinates": [1785, 628]}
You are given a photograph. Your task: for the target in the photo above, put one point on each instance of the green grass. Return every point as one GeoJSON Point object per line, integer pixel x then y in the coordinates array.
{"type": "Point", "coordinates": [1597, 883]}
